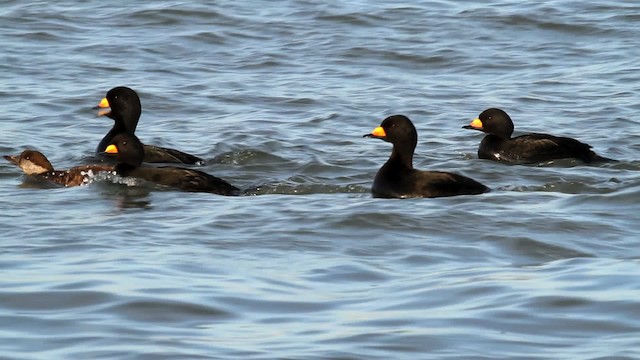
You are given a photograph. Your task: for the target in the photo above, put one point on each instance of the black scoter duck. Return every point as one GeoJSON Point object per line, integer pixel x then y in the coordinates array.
{"type": "Point", "coordinates": [34, 163]}
{"type": "Point", "coordinates": [125, 110]}
{"type": "Point", "coordinates": [398, 179]}
{"type": "Point", "coordinates": [130, 152]}
{"type": "Point", "coordinates": [498, 145]}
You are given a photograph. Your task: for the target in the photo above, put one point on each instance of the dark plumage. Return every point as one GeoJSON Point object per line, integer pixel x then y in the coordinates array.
{"type": "Point", "coordinates": [130, 152]}
{"type": "Point", "coordinates": [498, 145]}
{"type": "Point", "coordinates": [398, 179]}
{"type": "Point", "coordinates": [35, 164]}
{"type": "Point", "coordinates": [125, 110]}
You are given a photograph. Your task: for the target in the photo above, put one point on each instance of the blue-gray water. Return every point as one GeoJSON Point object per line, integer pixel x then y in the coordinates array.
{"type": "Point", "coordinates": [276, 96]}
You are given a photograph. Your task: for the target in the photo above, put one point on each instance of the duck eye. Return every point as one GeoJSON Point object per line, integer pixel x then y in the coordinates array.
{"type": "Point", "coordinates": [124, 143]}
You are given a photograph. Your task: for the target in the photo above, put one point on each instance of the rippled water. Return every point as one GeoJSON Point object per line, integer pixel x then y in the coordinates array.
{"type": "Point", "coordinates": [276, 95]}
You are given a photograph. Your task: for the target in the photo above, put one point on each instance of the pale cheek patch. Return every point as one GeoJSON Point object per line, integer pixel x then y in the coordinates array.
{"type": "Point", "coordinates": [31, 169]}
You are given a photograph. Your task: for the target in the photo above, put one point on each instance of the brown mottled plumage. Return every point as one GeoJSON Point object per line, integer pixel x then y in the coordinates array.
{"type": "Point", "coordinates": [35, 164]}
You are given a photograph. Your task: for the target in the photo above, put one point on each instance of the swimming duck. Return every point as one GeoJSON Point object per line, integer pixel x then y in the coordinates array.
{"type": "Point", "coordinates": [130, 152]}
{"type": "Point", "coordinates": [124, 108]}
{"type": "Point", "coordinates": [398, 179]}
{"type": "Point", "coordinates": [34, 163]}
{"type": "Point", "coordinates": [498, 145]}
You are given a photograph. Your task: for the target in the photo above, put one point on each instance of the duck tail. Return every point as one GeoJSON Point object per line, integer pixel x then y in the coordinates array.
{"type": "Point", "coordinates": [595, 158]}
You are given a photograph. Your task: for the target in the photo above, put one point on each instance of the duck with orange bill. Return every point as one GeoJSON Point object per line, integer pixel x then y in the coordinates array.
{"type": "Point", "coordinates": [130, 152]}
{"type": "Point", "coordinates": [498, 145]}
{"type": "Point", "coordinates": [398, 179]}
{"type": "Point", "coordinates": [122, 104]}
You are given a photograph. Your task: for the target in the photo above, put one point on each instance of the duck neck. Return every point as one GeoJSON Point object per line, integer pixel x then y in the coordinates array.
{"type": "Point", "coordinates": [121, 127]}
{"type": "Point", "coordinates": [118, 128]}
{"type": "Point", "coordinates": [402, 156]}
{"type": "Point", "coordinates": [131, 123]}
{"type": "Point", "coordinates": [126, 121]}
{"type": "Point", "coordinates": [124, 169]}
{"type": "Point", "coordinates": [503, 136]}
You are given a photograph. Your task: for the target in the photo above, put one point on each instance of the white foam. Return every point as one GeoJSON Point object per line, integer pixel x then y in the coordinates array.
{"type": "Point", "coordinates": [108, 176]}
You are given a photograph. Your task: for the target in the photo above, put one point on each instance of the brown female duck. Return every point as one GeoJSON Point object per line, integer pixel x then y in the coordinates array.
{"type": "Point", "coordinates": [35, 164]}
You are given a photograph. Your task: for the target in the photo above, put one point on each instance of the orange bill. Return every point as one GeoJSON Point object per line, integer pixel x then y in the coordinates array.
{"type": "Point", "coordinates": [111, 149]}
{"type": "Point", "coordinates": [476, 124]}
{"type": "Point", "coordinates": [378, 132]}
{"type": "Point", "coordinates": [104, 103]}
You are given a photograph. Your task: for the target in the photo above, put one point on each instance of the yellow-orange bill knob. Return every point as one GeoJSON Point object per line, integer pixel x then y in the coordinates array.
{"type": "Point", "coordinates": [104, 103]}
{"type": "Point", "coordinates": [378, 132]}
{"type": "Point", "coordinates": [476, 123]}
{"type": "Point", "coordinates": [111, 149]}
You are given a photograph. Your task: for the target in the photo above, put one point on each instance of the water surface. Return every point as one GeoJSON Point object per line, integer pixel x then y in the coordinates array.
{"type": "Point", "coordinates": [276, 97]}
